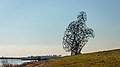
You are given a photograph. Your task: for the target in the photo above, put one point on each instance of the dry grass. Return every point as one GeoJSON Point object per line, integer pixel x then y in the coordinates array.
{"type": "Point", "coordinates": [98, 59]}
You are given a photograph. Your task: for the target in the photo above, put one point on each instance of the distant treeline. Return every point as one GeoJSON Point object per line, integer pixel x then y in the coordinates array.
{"type": "Point", "coordinates": [34, 57]}
{"type": "Point", "coordinates": [41, 57]}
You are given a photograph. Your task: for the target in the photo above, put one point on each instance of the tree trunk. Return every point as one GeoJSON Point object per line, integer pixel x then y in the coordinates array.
{"type": "Point", "coordinates": [72, 52]}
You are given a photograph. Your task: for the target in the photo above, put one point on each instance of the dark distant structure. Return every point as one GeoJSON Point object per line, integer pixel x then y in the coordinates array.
{"type": "Point", "coordinates": [77, 35]}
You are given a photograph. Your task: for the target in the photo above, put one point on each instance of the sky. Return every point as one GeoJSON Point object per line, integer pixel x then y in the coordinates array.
{"type": "Point", "coordinates": [36, 27]}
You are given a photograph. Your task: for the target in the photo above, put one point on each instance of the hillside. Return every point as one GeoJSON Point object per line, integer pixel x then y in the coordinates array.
{"type": "Point", "coordinates": [110, 58]}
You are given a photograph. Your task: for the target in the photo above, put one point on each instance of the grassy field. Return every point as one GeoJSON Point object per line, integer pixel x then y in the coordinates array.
{"type": "Point", "coordinates": [110, 58]}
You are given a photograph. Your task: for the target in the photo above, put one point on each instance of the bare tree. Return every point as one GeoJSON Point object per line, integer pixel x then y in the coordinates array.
{"type": "Point", "coordinates": [77, 35]}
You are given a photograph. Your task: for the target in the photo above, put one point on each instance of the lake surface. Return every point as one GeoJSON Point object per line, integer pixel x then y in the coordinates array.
{"type": "Point", "coordinates": [13, 61]}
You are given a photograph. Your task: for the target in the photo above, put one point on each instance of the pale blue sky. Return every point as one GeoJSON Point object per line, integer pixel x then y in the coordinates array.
{"type": "Point", "coordinates": [25, 23]}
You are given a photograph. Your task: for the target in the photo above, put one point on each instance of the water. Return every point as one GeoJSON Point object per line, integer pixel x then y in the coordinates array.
{"type": "Point", "coordinates": [13, 61]}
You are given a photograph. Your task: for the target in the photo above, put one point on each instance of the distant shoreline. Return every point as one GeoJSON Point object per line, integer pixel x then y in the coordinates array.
{"type": "Point", "coordinates": [10, 58]}
{"type": "Point", "coordinates": [33, 57]}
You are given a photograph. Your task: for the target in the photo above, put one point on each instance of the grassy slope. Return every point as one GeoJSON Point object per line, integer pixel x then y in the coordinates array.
{"type": "Point", "coordinates": [109, 58]}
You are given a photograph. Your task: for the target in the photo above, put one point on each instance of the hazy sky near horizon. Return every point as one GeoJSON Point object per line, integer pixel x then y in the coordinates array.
{"type": "Point", "coordinates": [36, 27]}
